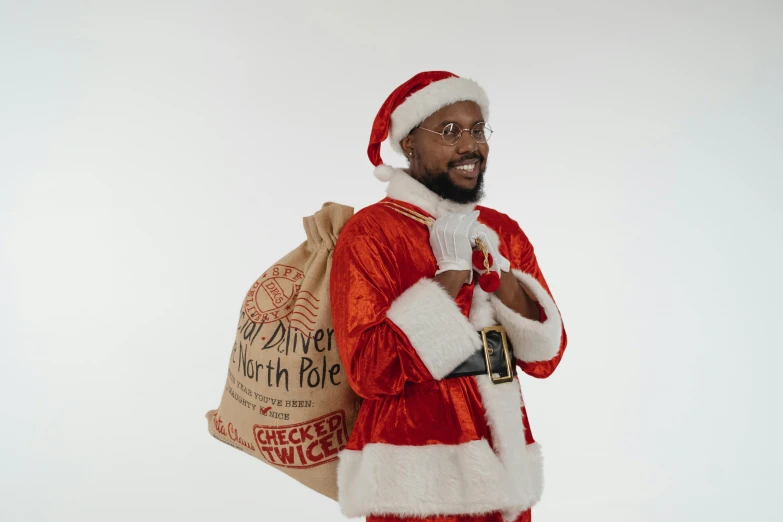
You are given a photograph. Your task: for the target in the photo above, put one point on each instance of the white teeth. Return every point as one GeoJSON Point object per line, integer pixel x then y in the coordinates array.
{"type": "Point", "coordinates": [466, 167]}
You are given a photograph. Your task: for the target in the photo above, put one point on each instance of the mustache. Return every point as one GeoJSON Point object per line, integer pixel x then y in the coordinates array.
{"type": "Point", "coordinates": [465, 157]}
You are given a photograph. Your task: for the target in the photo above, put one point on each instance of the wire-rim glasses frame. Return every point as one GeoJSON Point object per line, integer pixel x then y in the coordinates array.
{"type": "Point", "coordinates": [480, 136]}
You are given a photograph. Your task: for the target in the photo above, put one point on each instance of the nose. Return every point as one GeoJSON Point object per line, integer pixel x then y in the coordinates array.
{"type": "Point", "coordinates": [466, 143]}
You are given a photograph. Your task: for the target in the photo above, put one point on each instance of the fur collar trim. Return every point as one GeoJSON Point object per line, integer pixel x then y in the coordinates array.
{"type": "Point", "coordinates": [404, 187]}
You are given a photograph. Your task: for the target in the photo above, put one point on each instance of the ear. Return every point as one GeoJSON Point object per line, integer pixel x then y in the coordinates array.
{"type": "Point", "coordinates": [407, 145]}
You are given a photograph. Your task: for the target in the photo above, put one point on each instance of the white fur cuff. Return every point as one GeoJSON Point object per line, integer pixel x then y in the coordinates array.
{"type": "Point", "coordinates": [442, 336]}
{"type": "Point", "coordinates": [532, 340]}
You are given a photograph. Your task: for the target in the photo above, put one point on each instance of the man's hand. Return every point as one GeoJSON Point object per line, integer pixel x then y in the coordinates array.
{"type": "Point", "coordinates": [481, 231]}
{"type": "Point", "coordinates": [450, 241]}
{"type": "Point", "coordinates": [451, 244]}
{"type": "Point", "coordinates": [453, 280]}
{"type": "Point", "coordinates": [511, 293]}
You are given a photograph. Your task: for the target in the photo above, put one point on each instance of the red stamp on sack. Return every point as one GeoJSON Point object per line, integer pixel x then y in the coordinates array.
{"type": "Point", "coordinates": [270, 298]}
{"type": "Point", "coordinates": [303, 445]}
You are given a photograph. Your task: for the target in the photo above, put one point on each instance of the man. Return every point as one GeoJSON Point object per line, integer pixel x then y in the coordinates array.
{"type": "Point", "coordinates": [437, 438]}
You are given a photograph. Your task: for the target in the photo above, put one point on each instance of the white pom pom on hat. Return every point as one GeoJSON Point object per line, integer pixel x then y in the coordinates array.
{"type": "Point", "coordinates": [413, 102]}
{"type": "Point", "coordinates": [384, 172]}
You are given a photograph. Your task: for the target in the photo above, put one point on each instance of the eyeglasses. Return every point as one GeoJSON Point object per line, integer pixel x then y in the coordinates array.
{"type": "Point", "coordinates": [452, 132]}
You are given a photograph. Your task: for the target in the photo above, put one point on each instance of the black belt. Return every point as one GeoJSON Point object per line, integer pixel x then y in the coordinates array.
{"type": "Point", "coordinates": [496, 351]}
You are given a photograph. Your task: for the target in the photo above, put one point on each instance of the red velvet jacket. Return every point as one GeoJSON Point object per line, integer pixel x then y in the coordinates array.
{"type": "Point", "coordinates": [424, 445]}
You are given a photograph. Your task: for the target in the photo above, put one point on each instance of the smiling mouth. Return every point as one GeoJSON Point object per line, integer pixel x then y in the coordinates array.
{"type": "Point", "coordinates": [469, 169]}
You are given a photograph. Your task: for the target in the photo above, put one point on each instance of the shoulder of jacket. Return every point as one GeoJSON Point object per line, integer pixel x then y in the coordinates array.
{"type": "Point", "coordinates": [496, 219]}
{"type": "Point", "coordinates": [371, 215]}
{"type": "Point", "coordinates": [505, 226]}
{"type": "Point", "coordinates": [368, 221]}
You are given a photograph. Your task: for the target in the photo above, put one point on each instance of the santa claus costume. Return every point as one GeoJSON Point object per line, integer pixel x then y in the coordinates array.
{"type": "Point", "coordinates": [426, 445]}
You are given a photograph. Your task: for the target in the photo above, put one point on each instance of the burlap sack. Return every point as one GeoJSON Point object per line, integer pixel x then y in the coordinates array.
{"type": "Point", "coordinates": [287, 401]}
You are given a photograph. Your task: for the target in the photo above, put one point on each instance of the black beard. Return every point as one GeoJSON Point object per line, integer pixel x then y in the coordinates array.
{"type": "Point", "coordinates": [440, 183]}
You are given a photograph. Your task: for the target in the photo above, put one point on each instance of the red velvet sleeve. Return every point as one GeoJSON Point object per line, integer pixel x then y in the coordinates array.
{"type": "Point", "coordinates": [377, 356]}
{"type": "Point", "coordinates": [519, 251]}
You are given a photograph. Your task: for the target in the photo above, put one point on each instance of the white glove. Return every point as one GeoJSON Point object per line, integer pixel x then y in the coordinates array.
{"type": "Point", "coordinates": [482, 232]}
{"type": "Point", "coordinates": [450, 241]}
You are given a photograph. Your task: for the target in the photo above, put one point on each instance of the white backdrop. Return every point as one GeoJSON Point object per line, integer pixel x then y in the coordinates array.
{"type": "Point", "coordinates": [156, 157]}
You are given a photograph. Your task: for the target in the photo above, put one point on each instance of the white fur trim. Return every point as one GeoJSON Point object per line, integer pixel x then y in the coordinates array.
{"type": "Point", "coordinates": [423, 103]}
{"type": "Point", "coordinates": [442, 336]}
{"type": "Point", "coordinates": [503, 407]}
{"type": "Point", "coordinates": [384, 172]}
{"type": "Point", "coordinates": [403, 187]}
{"type": "Point", "coordinates": [532, 340]}
{"type": "Point", "coordinates": [535, 459]}
{"type": "Point", "coordinates": [420, 481]}
{"type": "Point", "coordinates": [493, 236]}
{"type": "Point", "coordinates": [481, 312]}
{"type": "Point", "coordinates": [495, 241]}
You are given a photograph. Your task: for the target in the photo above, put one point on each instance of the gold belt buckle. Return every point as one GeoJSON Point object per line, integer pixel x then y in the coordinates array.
{"type": "Point", "coordinates": [509, 374]}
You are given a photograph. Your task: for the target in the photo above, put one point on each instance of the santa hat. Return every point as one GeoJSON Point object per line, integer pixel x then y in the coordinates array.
{"type": "Point", "coordinates": [413, 102]}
